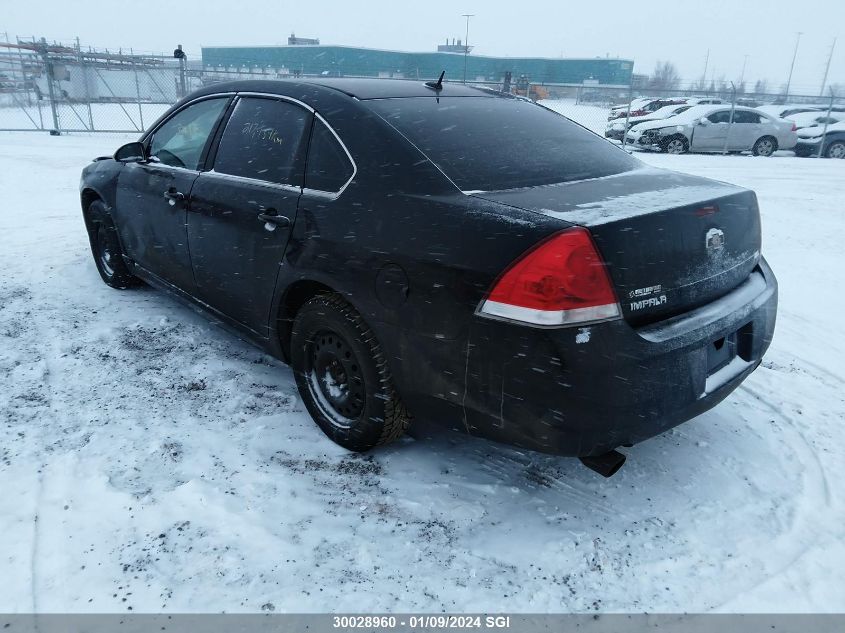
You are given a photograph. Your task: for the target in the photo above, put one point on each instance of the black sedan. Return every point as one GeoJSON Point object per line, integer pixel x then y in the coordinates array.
{"type": "Point", "coordinates": [439, 251]}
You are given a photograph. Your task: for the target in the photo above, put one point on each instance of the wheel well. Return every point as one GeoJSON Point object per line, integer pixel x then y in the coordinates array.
{"type": "Point", "coordinates": [296, 295]}
{"type": "Point", "coordinates": [677, 136]}
{"type": "Point", "coordinates": [87, 197]}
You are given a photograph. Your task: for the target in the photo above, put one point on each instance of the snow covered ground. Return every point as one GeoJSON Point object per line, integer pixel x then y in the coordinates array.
{"type": "Point", "coordinates": [592, 117]}
{"type": "Point", "coordinates": [151, 461]}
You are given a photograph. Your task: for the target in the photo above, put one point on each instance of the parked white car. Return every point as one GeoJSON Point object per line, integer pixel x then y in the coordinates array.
{"type": "Point", "coordinates": [805, 120]}
{"type": "Point", "coordinates": [710, 129]}
{"type": "Point", "coordinates": [787, 110]}
{"type": "Point", "coordinates": [616, 129]}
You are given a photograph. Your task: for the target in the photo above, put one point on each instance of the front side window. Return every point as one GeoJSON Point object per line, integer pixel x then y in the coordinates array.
{"type": "Point", "coordinates": [329, 168]}
{"type": "Point", "coordinates": [264, 140]}
{"type": "Point", "coordinates": [179, 142]}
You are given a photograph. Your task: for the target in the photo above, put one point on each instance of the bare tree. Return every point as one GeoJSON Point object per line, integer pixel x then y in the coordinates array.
{"type": "Point", "coordinates": [761, 87]}
{"type": "Point", "coordinates": [665, 77]}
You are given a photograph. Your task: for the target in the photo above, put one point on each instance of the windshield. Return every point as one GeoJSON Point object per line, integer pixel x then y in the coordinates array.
{"type": "Point", "coordinates": [489, 143]}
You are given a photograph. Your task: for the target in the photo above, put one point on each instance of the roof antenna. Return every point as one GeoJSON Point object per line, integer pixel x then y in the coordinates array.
{"type": "Point", "coordinates": [436, 85]}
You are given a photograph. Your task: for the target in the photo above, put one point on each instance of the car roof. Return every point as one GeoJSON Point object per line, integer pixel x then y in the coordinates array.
{"type": "Point", "coordinates": [362, 89]}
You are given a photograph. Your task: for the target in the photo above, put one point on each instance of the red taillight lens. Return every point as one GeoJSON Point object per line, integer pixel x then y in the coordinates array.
{"type": "Point", "coordinates": [794, 128]}
{"type": "Point", "coordinates": [563, 281]}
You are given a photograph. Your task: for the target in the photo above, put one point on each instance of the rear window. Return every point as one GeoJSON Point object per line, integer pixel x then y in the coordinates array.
{"type": "Point", "coordinates": [490, 143]}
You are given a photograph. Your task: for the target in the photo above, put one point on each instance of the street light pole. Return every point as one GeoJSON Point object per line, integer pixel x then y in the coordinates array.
{"type": "Point", "coordinates": [794, 55]}
{"type": "Point", "coordinates": [827, 68]}
{"type": "Point", "coordinates": [466, 43]}
{"type": "Point", "coordinates": [742, 74]}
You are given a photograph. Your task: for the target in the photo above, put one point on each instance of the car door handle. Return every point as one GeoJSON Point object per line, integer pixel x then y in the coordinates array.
{"type": "Point", "coordinates": [174, 196]}
{"type": "Point", "coordinates": [274, 218]}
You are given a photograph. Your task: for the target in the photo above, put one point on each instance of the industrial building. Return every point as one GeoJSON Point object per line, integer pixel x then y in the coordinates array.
{"type": "Point", "coordinates": [350, 61]}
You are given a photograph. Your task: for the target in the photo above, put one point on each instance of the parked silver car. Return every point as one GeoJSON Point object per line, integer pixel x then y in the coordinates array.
{"type": "Point", "coordinates": [712, 128]}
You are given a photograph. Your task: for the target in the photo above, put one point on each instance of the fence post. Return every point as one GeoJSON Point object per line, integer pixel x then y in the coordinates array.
{"type": "Point", "coordinates": [731, 121]}
{"type": "Point", "coordinates": [83, 68]}
{"type": "Point", "coordinates": [628, 112]}
{"type": "Point", "coordinates": [48, 66]}
{"type": "Point", "coordinates": [137, 89]}
{"type": "Point", "coordinates": [824, 131]}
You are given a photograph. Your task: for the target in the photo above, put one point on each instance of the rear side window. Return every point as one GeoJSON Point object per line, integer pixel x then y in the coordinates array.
{"type": "Point", "coordinates": [264, 140]}
{"type": "Point", "coordinates": [491, 143]}
{"type": "Point", "coordinates": [743, 116]}
{"type": "Point", "coordinates": [180, 140]}
{"type": "Point", "coordinates": [328, 167]}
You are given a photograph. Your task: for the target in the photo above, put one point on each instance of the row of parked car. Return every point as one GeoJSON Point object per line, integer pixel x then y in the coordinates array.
{"type": "Point", "coordinates": [705, 124]}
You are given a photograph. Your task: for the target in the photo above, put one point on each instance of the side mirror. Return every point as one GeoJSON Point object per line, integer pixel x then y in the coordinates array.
{"type": "Point", "coordinates": [704, 121]}
{"type": "Point", "coordinates": [131, 153]}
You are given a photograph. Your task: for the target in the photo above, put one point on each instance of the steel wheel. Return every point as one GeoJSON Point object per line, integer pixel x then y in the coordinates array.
{"type": "Point", "coordinates": [836, 150]}
{"type": "Point", "coordinates": [105, 254]}
{"type": "Point", "coordinates": [334, 377]}
{"type": "Point", "coordinates": [343, 377]}
{"type": "Point", "coordinates": [105, 247]}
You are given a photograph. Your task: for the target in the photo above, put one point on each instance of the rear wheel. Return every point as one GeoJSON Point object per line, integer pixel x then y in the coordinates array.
{"type": "Point", "coordinates": [676, 145]}
{"type": "Point", "coordinates": [105, 247]}
{"type": "Point", "coordinates": [836, 150]}
{"type": "Point", "coordinates": [765, 146]}
{"type": "Point", "coordinates": [343, 377]}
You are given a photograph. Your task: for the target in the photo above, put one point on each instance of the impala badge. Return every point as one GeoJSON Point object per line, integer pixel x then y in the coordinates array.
{"type": "Point", "coordinates": [714, 241]}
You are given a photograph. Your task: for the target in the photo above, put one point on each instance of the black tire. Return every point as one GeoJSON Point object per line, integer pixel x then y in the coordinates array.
{"type": "Point", "coordinates": [105, 246]}
{"type": "Point", "coordinates": [343, 377]}
{"type": "Point", "coordinates": [765, 146]}
{"type": "Point", "coordinates": [835, 150]}
{"type": "Point", "coordinates": [676, 145]}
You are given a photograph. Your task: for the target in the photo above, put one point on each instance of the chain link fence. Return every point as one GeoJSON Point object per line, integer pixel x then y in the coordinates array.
{"type": "Point", "coordinates": [50, 87]}
{"type": "Point", "coordinates": [57, 88]}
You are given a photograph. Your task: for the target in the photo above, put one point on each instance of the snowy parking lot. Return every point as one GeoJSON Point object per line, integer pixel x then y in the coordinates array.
{"type": "Point", "coordinates": [149, 460]}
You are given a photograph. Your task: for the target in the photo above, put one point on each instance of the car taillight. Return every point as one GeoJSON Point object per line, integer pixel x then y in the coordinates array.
{"type": "Point", "coordinates": [562, 281]}
{"type": "Point", "coordinates": [794, 128]}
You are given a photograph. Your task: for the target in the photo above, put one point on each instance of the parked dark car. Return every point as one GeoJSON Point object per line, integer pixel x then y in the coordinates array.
{"type": "Point", "coordinates": [446, 253]}
{"type": "Point", "coordinates": [810, 139]}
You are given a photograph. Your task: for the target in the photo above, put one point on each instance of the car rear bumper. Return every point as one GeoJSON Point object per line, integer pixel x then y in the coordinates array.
{"type": "Point", "coordinates": [584, 391]}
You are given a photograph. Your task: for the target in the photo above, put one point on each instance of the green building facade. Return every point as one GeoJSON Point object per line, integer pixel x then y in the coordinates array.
{"type": "Point", "coordinates": [340, 61]}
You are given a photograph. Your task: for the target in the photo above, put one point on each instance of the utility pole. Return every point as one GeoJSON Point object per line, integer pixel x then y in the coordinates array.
{"type": "Point", "coordinates": [794, 55]}
{"type": "Point", "coordinates": [742, 74]}
{"type": "Point", "coordinates": [466, 44]}
{"type": "Point", "coordinates": [704, 74]}
{"type": "Point", "coordinates": [827, 68]}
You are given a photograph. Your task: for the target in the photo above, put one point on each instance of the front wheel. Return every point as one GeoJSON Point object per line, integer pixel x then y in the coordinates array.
{"type": "Point", "coordinates": [105, 246]}
{"type": "Point", "coordinates": [676, 145]}
{"type": "Point", "coordinates": [343, 377]}
{"type": "Point", "coordinates": [836, 150]}
{"type": "Point", "coordinates": [765, 146]}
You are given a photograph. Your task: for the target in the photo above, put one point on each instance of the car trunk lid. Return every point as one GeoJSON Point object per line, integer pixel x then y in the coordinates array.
{"type": "Point", "coordinates": [672, 242]}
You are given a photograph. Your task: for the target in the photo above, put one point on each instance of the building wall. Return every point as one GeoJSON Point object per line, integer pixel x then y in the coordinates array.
{"type": "Point", "coordinates": [350, 61]}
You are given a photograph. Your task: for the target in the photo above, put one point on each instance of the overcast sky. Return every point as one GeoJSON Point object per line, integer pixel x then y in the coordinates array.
{"type": "Point", "coordinates": [645, 30]}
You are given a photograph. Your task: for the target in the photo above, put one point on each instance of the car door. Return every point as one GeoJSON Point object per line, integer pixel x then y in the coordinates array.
{"type": "Point", "coordinates": [151, 197]}
{"type": "Point", "coordinates": [745, 131]}
{"type": "Point", "coordinates": [242, 209]}
{"type": "Point", "coordinates": [711, 137]}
